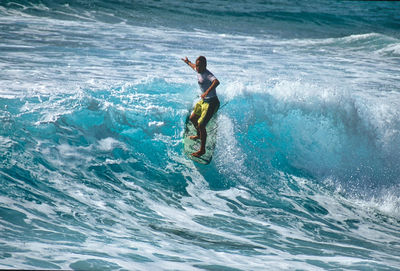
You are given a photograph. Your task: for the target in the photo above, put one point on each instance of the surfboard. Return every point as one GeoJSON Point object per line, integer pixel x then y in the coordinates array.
{"type": "Point", "coordinates": [191, 146]}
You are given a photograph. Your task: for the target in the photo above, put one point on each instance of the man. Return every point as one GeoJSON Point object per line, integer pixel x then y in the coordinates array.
{"type": "Point", "coordinates": [209, 103]}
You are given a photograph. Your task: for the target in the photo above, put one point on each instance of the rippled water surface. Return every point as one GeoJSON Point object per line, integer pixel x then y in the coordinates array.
{"type": "Point", "coordinates": [93, 103]}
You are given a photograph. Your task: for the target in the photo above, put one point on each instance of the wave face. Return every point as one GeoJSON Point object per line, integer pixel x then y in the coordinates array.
{"type": "Point", "coordinates": [93, 102]}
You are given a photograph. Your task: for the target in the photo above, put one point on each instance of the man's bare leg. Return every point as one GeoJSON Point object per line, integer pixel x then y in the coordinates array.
{"type": "Point", "coordinates": [194, 119]}
{"type": "Point", "coordinates": [203, 138]}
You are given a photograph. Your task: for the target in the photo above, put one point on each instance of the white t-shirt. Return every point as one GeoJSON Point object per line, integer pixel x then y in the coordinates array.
{"type": "Point", "coordinates": [205, 80]}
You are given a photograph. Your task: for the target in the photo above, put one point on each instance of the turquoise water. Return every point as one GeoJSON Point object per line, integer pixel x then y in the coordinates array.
{"type": "Point", "coordinates": [93, 102]}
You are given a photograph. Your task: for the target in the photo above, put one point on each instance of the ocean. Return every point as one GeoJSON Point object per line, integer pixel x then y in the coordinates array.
{"type": "Point", "coordinates": [93, 102]}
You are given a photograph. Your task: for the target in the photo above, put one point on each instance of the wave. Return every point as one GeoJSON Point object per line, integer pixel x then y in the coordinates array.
{"type": "Point", "coordinates": [331, 134]}
{"type": "Point", "coordinates": [281, 126]}
{"type": "Point", "coordinates": [375, 43]}
{"type": "Point", "coordinates": [282, 18]}
{"type": "Point", "coordinates": [106, 166]}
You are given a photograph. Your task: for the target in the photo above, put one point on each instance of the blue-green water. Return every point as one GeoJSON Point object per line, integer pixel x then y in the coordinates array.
{"type": "Point", "coordinates": [93, 100]}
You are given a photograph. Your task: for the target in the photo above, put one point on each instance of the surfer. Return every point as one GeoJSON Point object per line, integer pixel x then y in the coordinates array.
{"type": "Point", "coordinates": [209, 103]}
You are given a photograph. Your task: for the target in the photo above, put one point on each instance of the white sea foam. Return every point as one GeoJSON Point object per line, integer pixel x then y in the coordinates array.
{"type": "Point", "coordinates": [156, 123]}
{"type": "Point", "coordinates": [229, 157]}
{"type": "Point", "coordinates": [108, 144]}
{"type": "Point", "coordinates": [391, 50]}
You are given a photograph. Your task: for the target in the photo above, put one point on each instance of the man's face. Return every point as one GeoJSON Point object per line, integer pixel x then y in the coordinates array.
{"type": "Point", "coordinates": [200, 67]}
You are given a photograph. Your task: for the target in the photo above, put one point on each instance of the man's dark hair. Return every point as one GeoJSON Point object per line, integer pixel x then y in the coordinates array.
{"type": "Point", "coordinates": [202, 60]}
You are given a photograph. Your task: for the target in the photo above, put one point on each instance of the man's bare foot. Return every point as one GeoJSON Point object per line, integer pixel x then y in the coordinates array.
{"type": "Point", "coordinates": [199, 153]}
{"type": "Point", "coordinates": [194, 137]}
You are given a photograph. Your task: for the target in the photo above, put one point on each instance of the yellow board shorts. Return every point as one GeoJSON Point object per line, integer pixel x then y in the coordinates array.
{"type": "Point", "coordinates": [205, 110]}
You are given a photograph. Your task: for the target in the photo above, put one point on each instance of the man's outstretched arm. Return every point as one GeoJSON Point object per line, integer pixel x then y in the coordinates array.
{"type": "Point", "coordinates": [187, 61]}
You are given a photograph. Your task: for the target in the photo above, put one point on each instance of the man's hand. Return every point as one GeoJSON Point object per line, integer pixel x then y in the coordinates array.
{"type": "Point", "coordinates": [186, 60]}
{"type": "Point", "coordinates": [203, 95]}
